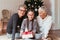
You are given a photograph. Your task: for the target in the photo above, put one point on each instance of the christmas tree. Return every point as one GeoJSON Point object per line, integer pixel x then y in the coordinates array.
{"type": "Point", "coordinates": [33, 4]}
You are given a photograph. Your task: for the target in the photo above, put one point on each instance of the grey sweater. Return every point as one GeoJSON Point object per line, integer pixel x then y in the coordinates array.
{"type": "Point", "coordinates": [31, 25]}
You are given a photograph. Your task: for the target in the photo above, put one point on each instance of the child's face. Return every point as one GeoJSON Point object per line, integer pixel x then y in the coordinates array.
{"type": "Point", "coordinates": [30, 15]}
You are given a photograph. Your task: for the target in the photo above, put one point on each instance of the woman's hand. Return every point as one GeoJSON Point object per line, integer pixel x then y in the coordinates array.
{"type": "Point", "coordinates": [44, 38]}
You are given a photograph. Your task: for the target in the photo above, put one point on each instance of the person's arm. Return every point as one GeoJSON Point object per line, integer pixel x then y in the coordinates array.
{"type": "Point", "coordinates": [14, 29]}
{"type": "Point", "coordinates": [34, 26]}
{"type": "Point", "coordinates": [47, 27]}
{"type": "Point", "coordinates": [15, 19]}
{"type": "Point", "coordinates": [10, 26]}
{"type": "Point", "coordinates": [23, 26]}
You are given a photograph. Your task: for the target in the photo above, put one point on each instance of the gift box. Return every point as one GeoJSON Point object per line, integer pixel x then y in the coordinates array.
{"type": "Point", "coordinates": [27, 35]}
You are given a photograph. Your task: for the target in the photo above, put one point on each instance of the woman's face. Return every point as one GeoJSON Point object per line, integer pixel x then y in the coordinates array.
{"type": "Point", "coordinates": [21, 11]}
{"type": "Point", "coordinates": [42, 14]}
{"type": "Point", "coordinates": [30, 15]}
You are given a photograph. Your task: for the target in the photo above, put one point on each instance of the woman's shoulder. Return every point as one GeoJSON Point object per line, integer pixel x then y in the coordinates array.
{"type": "Point", "coordinates": [50, 17]}
{"type": "Point", "coordinates": [15, 15]}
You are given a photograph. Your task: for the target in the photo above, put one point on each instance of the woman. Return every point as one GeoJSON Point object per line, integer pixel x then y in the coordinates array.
{"type": "Point", "coordinates": [44, 22]}
{"type": "Point", "coordinates": [30, 23]}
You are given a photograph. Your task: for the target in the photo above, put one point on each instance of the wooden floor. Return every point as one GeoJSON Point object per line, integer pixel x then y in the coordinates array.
{"type": "Point", "coordinates": [55, 34]}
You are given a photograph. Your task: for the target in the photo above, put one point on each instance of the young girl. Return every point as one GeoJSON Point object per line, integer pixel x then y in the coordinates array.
{"type": "Point", "coordinates": [29, 23]}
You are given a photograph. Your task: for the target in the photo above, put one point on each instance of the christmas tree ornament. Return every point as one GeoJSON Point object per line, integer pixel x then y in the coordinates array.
{"type": "Point", "coordinates": [28, 4]}
{"type": "Point", "coordinates": [35, 9]}
{"type": "Point", "coordinates": [34, 4]}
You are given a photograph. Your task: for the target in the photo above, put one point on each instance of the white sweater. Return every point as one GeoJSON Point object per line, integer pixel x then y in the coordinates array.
{"type": "Point", "coordinates": [45, 25]}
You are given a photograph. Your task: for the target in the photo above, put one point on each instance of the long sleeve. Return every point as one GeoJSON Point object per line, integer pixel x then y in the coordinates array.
{"type": "Point", "coordinates": [35, 26]}
{"type": "Point", "coordinates": [13, 32]}
{"type": "Point", "coordinates": [47, 25]}
{"type": "Point", "coordinates": [23, 26]}
{"type": "Point", "coordinates": [14, 26]}
{"type": "Point", "coordinates": [10, 25]}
